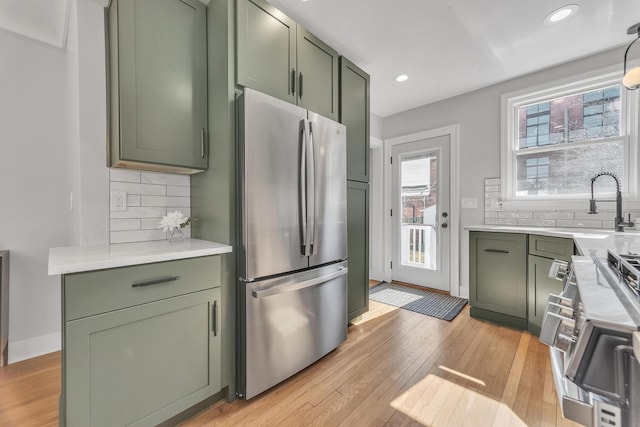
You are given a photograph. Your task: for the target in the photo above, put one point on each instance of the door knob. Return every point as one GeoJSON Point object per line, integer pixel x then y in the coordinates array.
{"type": "Point", "coordinates": [444, 225]}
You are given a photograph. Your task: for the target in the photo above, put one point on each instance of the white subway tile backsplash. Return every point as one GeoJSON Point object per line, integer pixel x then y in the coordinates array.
{"type": "Point", "coordinates": [173, 190]}
{"type": "Point", "coordinates": [537, 222]}
{"type": "Point", "coordinates": [133, 200]}
{"type": "Point", "coordinates": [150, 223]}
{"type": "Point", "coordinates": [124, 175]}
{"type": "Point", "coordinates": [124, 224]}
{"type": "Point", "coordinates": [140, 212]}
{"type": "Point", "coordinates": [150, 195]}
{"type": "Point", "coordinates": [165, 179]}
{"type": "Point", "coordinates": [496, 214]}
{"type": "Point", "coordinates": [501, 221]}
{"type": "Point", "coordinates": [147, 189]}
{"type": "Point", "coordinates": [179, 202]}
{"type": "Point", "coordinates": [553, 215]}
{"type": "Point", "coordinates": [515, 214]}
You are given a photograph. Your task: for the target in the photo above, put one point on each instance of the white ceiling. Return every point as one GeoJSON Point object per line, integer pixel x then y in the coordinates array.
{"type": "Point", "coordinates": [449, 47]}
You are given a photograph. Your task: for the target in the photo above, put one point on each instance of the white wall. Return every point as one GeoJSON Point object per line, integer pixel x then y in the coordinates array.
{"type": "Point", "coordinates": [478, 114]}
{"type": "Point", "coordinates": [52, 130]}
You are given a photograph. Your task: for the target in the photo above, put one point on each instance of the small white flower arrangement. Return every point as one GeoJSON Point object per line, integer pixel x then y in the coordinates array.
{"type": "Point", "coordinates": [172, 223]}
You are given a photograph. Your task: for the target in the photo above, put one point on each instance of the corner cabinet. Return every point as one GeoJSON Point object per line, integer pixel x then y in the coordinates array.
{"type": "Point", "coordinates": [498, 277]}
{"type": "Point", "coordinates": [141, 344]}
{"type": "Point", "coordinates": [277, 56]}
{"type": "Point", "coordinates": [158, 85]}
{"type": "Point", "coordinates": [354, 113]}
{"type": "Point", "coordinates": [358, 248]}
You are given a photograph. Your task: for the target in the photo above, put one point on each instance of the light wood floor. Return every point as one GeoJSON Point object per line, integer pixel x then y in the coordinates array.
{"type": "Point", "coordinates": [396, 368]}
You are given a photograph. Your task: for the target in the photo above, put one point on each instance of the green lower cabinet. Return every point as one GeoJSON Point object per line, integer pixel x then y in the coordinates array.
{"type": "Point", "coordinates": [498, 277]}
{"type": "Point", "coordinates": [144, 364]}
{"type": "Point", "coordinates": [540, 285]}
{"type": "Point", "coordinates": [358, 247]}
{"type": "Point", "coordinates": [140, 344]}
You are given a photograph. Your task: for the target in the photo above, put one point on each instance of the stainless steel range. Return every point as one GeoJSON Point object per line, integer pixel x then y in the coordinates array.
{"type": "Point", "coordinates": [590, 328]}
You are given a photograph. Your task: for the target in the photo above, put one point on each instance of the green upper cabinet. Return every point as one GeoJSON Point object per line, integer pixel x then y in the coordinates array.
{"type": "Point", "coordinates": [354, 113]}
{"type": "Point", "coordinates": [278, 57]}
{"type": "Point", "coordinates": [158, 85]}
{"type": "Point", "coordinates": [266, 58]}
{"type": "Point", "coordinates": [317, 75]}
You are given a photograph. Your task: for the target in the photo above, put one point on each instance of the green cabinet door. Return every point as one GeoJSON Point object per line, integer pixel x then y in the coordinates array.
{"type": "Point", "coordinates": [144, 364]}
{"type": "Point", "coordinates": [158, 85]}
{"type": "Point", "coordinates": [498, 277]}
{"type": "Point", "coordinates": [266, 49]}
{"type": "Point", "coordinates": [540, 286]}
{"type": "Point", "coordinates": [278, 57]}
{"type": "Point", "coordinates": [358, 247]}
{"type": "Point", "coordinates": [354, 113]}
{"type": "Point", "coordinates": [317, 75]}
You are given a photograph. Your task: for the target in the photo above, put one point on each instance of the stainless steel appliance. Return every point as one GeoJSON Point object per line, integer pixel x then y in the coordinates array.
{"type": "Point", "coordinates": [590, 328]}
{"type": "Point", "coordinates": [293, 286]}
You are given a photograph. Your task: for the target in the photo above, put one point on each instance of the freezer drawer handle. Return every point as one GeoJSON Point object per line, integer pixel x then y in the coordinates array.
{"type": "Point", "coordinates": [280, 289]}
{"type": "Point", "coordinates": [155, 281]}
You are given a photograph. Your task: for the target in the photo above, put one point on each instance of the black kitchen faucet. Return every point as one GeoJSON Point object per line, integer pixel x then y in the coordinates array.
{"type": "Point", "coordinates": [620, 222]}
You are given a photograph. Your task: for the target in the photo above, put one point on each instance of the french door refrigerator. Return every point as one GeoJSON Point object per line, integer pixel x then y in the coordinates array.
{"type": "Point", "coordinates": [292, 295]}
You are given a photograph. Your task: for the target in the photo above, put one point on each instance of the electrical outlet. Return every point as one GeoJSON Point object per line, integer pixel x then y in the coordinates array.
{"type": "Point", "coordinates": [118, 201]}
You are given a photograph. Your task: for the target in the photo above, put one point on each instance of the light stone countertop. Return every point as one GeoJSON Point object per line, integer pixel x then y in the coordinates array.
{"type": "Point", "coordinates": [75, 259]}
{"type": "Point", "coordinates": [590, 242]}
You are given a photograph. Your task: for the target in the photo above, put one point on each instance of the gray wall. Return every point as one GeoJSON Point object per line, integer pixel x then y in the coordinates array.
{"type": "Point", "coordinates": [52, 168]}
{"type": "Point", "coordinates": [478, 114]}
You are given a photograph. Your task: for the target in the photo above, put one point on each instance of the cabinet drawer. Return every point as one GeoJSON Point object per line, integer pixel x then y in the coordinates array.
{"type": "Point", "coordinates": [551, 247]}
{"type": "Point", "coordinates": [95, 292]}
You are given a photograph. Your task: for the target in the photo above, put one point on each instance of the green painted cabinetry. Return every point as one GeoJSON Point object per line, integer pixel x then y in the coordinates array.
{"type": "Point", "coordinates": [498, 277]}
{"type": "Point", "coordinates": [141, 344]}
{"type": "Point", "coordinates": [354, 113]}
{"type": "Point", "coordinates": [158, 85]}
{"type": "Point", "coordinates": [542, 251]}
{"type": "Point", "coordinates": [277, 56]}
{"type": "Point", "coordinates": [358, 247]}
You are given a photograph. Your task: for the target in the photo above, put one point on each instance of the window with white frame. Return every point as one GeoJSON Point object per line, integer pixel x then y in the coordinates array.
{"type": "Point", "coordinates": [556, 138]}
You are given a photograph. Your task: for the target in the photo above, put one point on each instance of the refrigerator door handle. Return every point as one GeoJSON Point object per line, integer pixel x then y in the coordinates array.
{"type": "Point", "coordinates": [314, 222]}
{"type": "Point", "coordinates": [280, 289]}
{"type": "Point", "coordinates": [302, 197]}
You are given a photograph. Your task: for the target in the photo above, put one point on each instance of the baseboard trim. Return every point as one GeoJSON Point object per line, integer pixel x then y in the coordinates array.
{"type": "Point", "coordinates": [26, 349]}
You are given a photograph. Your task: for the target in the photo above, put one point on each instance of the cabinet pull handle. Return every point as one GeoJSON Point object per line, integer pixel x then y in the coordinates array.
{"type": "Point", "coordinates": [300, 86]}
{"type": "Point", "coordinates": [155, 281]}
{"type": "Point", "coordinates": [214, 318]}
{"type": "Point", "coordinates": [293, 81]}
{"type": "Point", "coordinates": [202, 142]}
{"type": "Point", "coordinates": [497, 251]}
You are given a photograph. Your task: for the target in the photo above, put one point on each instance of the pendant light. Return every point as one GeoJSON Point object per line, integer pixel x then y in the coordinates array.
{"type": "Point", "coordinates": [631, 79]}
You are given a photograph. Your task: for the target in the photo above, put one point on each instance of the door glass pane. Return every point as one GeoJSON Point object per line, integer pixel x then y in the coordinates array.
{"type": "Point", "coordinates": [419, 207]}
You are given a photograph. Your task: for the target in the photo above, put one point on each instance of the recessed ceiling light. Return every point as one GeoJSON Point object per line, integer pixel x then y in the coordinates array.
{"type": "Point", "coordinates": [401, 78]}
{"type": "Point", "coordinates": [562, 13]}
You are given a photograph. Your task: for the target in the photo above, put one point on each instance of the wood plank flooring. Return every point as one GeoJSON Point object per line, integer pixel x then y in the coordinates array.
{"type": "Point", "coordinates": [397, 368]}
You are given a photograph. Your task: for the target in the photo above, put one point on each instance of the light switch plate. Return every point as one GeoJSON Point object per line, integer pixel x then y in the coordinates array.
{"type": "Point", "coordinates": [469, 203]}
{"type": "Point", "coordinates": [118, 201]}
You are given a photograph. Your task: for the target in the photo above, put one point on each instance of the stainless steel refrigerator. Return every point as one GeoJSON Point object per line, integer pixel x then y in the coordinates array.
{"type": "Point", "coordinates": [292, 296]}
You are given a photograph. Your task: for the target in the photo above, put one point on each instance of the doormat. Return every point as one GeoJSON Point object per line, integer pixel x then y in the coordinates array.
{"type": "Point", "coordinates": [425, 302]}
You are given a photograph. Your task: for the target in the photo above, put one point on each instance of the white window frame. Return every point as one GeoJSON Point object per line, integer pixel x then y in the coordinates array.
{"type": "Point", "coordinates": [510, 102]}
